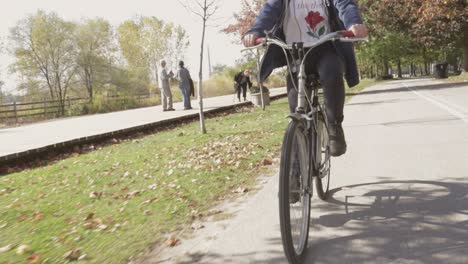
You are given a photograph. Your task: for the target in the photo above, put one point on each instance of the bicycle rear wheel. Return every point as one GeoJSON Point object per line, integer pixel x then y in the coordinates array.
{"type": "Point", "coordinates": [322, 154]}
{"type": "Point", "coordinates": [294, 192]}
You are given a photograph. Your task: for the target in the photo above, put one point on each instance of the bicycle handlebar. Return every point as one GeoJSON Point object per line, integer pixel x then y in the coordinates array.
{"type": "Point", "coordinates": [344, 35]}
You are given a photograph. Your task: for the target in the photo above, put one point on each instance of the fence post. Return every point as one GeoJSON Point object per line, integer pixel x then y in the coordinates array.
{"type": "Point", "coordinates": [69, 104]}
{"type": "Point", "coordinates": [45, 106]}
{"type": "Point", "coordinates": [16, 113]}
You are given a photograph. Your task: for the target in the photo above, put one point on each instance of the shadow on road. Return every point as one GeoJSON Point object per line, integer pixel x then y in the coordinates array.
{"type": "Point", "coordinates": [392, 221]}
{"type": "Point", "coordinates": [381, 222]}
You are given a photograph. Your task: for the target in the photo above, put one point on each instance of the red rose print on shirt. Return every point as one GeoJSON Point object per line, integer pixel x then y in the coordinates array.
{"type": "Point", "coordinates": [313, 19]}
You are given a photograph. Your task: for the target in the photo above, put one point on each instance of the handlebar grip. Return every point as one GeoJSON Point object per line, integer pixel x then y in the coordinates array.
{"type": "Point", "coordinates": [259, 41]}
{"type": "Point", "coordinates": [347, 34]}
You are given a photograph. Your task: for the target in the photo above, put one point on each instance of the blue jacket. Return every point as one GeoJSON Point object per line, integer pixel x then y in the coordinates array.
{"type": "Point", "coordinates": [342, 14]}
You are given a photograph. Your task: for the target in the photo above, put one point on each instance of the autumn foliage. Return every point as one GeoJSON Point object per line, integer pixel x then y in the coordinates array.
{"type": "Point", "coordinates": [245, 18]}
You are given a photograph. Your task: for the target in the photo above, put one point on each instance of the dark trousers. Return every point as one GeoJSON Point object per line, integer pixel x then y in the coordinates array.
{"type": "Point", "coordinates": [242, 88]}
{"type": "Point", "coordinates": [325, 62]}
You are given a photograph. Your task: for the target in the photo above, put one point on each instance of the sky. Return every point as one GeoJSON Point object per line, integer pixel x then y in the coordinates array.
{"type": "Point", "coordinates": [222, 49]}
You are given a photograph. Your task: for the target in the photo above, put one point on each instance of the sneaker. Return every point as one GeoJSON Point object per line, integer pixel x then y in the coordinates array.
{"type": "Point", "coordinates": [294, 184]}
{"type": "Point", "coordinates": [188, 108]}
{"type": "Point", "coordinates": [171, 109]}
{"type": "Point", "coordinates": [337, 140]}
{"type": "Point", "coordinates": [245, 99]}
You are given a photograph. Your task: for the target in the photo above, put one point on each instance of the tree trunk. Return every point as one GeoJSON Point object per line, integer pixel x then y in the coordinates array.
{"type": "Point", "coordinates": [465, 52]}
{"type": "Point", "coordinates": [386, 68]}
{"type": "Point", "coordinates": [200, 77]}
{"type": "Point", "coordinates": [400, 75]}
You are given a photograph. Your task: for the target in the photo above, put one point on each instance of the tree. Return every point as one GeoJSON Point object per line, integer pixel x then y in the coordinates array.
{"type": "Point", "coordinates": [177, 44]}
{"type": "Point", "coordinates": [245, 18]}
{"type": "Point", "coordinates": [94, 39]}
{"type": "Point", "coordinates": [147, 40]}
{"type": "Point", "coordinates": [205, 10]}
{"type": "Point", "coordinates": [434, 29]}
{"type": "Point", "coordinates": [45, 51]}
{"type": "Point", "coordinates": [442, 23]}
{"type": "Point", "coordinates": [219, 68]}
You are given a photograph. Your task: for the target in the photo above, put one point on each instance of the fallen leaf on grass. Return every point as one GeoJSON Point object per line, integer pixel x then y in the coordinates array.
{"type": "Point", "coordinates": [5, 248]}
{"type": "Point", "coordinates": [72, 255]}
{"type": "Point", "coordinates": [95, 223]}
{"type": "Point", "coordinates": [23, 249]}
{"type": "Point", "coordinates": [116, 227]}
{"type": "Point", "coordinates": [38, 216]}
{"type": "Point", "coordinates": [89, 216]}
{"type": "Point", "coordinates": [172, 242]}
{"type": "Point", "coordinates": [95, 195]}
{"type": "Point", "coordinates": [34, 258]}
{"type": "Point", "coordinates": [267, 162]}
{"type": "Point", "coordinates": [149, 201]}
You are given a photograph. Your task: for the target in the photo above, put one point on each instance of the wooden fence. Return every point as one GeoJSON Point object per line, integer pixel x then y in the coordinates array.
{"type": "Point", "coordinates": [16, 111]}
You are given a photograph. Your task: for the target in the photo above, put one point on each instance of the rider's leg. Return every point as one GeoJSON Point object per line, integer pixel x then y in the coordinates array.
{"type": "Point", "coordinates": [330, 69]}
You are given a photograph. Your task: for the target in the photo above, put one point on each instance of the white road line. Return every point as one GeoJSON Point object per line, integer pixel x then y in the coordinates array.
{"type": "Point", "coordinates": [453, 109]}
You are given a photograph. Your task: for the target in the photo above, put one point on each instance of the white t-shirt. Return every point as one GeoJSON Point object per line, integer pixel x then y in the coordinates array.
{"type": "Point", "coordinates": [306, 21]}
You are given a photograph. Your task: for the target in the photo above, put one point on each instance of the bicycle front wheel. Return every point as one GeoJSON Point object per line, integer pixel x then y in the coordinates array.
{"type": "Point", "coordinates": [294, 192]}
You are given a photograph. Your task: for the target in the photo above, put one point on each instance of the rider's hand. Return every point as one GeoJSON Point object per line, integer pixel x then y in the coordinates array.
{"type": "Point", "coordinates": [359, 31]}
{"type": "Point", "coordinates": [249, 40]}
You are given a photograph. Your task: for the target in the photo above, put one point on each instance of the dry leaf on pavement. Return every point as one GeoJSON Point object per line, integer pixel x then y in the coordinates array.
{"type": "Point", "coordinates": [172, 242]}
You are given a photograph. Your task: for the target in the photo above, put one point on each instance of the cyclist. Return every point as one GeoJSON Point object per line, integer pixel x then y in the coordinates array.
{"type": "Point", "coordinates": [305, 21]}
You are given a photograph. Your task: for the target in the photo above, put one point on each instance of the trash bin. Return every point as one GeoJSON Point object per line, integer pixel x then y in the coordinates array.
{"type": "Point", "coordinates": [441, 70]}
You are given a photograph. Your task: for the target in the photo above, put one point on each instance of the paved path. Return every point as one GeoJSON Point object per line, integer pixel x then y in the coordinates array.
{"type": "Point", "coordinates": [400, 193]}
{"type": "Point", "coordinates": [30, 138]}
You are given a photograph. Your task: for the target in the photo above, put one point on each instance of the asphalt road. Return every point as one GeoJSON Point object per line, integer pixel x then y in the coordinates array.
{"type": "Point", "coordinates": [400, 194]}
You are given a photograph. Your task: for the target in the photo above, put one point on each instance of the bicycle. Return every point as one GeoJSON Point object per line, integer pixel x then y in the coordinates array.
{"type": "Point", "coordinates": [305, 152]}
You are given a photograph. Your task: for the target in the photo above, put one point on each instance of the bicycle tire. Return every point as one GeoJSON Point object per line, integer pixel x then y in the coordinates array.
{"type": "Point", "coordinates": [294, 244]}
{"type": "Point", "coordinates": [323, 165]}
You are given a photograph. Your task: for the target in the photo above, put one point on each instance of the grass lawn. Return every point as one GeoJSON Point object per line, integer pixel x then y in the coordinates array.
{"type": "Point", "coordinates": [117, 201]}
{"type": "Point", "coordinates": [111, 204]}
{"type": "Point", "coordinates": [459, 78]}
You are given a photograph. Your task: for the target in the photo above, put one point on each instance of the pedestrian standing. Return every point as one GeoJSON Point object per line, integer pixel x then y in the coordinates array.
{"type": "Point", "coordinates": [183, 76]}
{"type": "Point", "coordinates": [163, 80]}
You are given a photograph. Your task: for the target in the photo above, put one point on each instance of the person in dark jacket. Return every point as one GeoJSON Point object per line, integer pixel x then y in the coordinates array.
{"type": "Point", "coordinates": [241, 80]}
{"type": "Point", "coordinates": [306, 21]}
{"type": "Point", "coordinates": [183, 76]}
